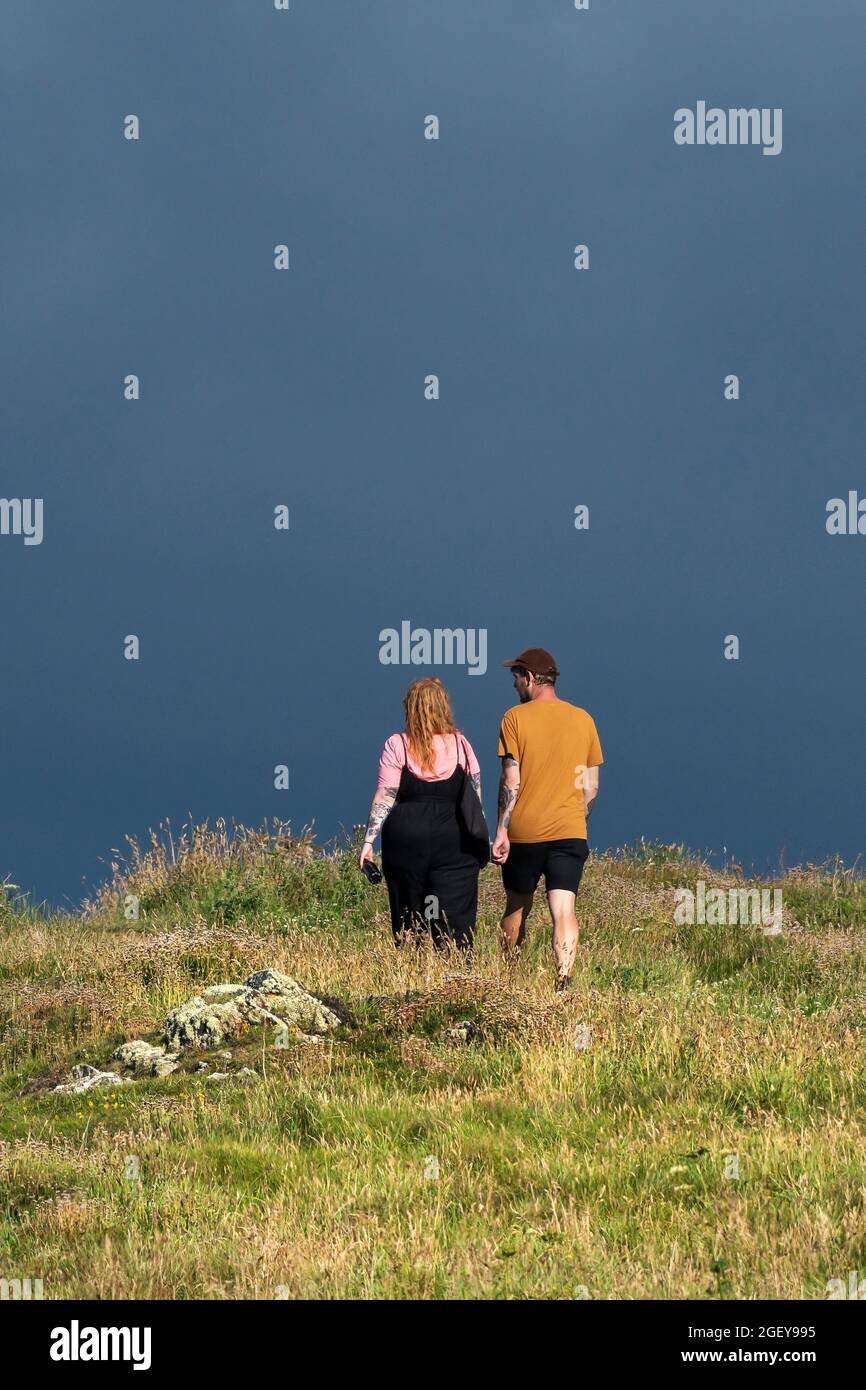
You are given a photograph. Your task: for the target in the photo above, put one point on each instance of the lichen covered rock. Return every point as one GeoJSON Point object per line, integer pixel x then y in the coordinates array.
{"type": "Point", "coordinates": [271, 982]}
{"type": "Point", "coordinates": [202, 1022]}
{"type": "Point", "coordinates": [223, 1012]}
{"type": "Point", "coordinates": [86, 1078]}
{"type": "Point", "coordinates": [223, 994]}
{"type": "Point", "coordinates": [294, 1005]}
{"type": "Point", "coordinates": [465, 1032]}
{"type": "Point", "coordinates": [143, 1059]}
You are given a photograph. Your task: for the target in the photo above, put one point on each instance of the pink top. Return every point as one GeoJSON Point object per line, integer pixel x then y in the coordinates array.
{"type": "Point", "coordinates": [446, 748]}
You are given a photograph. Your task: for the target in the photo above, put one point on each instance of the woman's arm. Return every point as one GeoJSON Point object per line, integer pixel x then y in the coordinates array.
{"type": "Point", "coordinates": [390, 772]}
{"type": "Point", "coordinates": [474, 777]}
{"type": "Point", "coordinates": [383, 800]}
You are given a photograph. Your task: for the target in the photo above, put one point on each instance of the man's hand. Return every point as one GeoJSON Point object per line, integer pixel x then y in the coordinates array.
{"type": "Point", "coordinates": [500, 848]}
{"type": "Point", "coordinates": [365, 855]}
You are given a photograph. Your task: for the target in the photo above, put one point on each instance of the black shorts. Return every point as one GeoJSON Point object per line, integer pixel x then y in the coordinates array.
{"type": "Point", "coordinates": [561, 862]}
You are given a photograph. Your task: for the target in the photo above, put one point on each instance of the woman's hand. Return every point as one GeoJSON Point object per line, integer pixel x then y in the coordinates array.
{"type": "Point", "coordinates": [366, 854]}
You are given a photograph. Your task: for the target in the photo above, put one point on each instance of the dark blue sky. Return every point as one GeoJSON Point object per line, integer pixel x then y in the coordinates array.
{"type": "Point", "coordinates": [305, 387]}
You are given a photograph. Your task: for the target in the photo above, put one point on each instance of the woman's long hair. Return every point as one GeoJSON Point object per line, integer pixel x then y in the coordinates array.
{"type": "Point", "coordinates": [428, 712]}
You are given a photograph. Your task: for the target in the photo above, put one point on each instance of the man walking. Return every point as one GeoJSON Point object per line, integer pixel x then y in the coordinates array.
{"type": "Point", "coordinates": [550, 759]}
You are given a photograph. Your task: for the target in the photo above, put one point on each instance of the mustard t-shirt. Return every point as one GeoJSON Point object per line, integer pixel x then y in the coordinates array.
{"type": "Point", "coordinates": [552, 741]}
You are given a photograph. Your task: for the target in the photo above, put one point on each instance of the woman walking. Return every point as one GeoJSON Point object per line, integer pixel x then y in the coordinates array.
{"type": "Point", "coordinates": [428, 806]}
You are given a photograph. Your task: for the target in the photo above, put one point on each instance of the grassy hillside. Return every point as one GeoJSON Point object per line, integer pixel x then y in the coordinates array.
{"type": "Point", "coordinates": [577, 1146]}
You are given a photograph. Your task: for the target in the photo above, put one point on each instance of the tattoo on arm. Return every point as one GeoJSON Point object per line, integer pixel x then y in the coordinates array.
{"type": "Point", "coordinates": [476, 782]}
{"type": "Point", "coordinates": [383, 802]}
{"type": "Point", "coordinates": [507, 798]}
{"type": "Point", "coordinates": [508, 794]}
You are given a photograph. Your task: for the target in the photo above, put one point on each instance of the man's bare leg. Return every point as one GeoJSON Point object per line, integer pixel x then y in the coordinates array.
{"type": "Point", "coordinates": [565, 933]}
{"type": "Point", "coordinates": [512, 928]}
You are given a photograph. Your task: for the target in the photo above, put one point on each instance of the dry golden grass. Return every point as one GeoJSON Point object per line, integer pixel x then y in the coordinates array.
{"type": "Point", "coordinates": [580, 1140]}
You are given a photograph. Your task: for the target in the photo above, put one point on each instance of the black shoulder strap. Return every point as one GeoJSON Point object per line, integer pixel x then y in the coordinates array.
{"type": "Point", "coordinates": [465, 754]}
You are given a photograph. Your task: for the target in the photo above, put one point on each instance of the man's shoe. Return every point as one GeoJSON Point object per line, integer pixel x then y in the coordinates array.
{"type": "Point", "coordinates": [563, 983]}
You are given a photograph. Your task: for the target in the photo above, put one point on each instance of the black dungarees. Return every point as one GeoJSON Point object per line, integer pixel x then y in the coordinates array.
{"type": "Point", "coordinates": [432, 880]}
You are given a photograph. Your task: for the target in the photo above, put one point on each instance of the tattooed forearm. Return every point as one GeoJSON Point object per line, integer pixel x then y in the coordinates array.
{"type": "Point", "coordinates": [509, 786]}
{"type": "Point", "coordinates": [476, 782]}
{"type": "Point", "coordinates": [383, 801]}
{"type": "Point", "coordinates": [507, 798]}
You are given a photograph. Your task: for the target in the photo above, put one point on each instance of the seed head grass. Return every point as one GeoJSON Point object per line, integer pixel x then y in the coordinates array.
{"type": "Point", "coordinates": [686, 1122]}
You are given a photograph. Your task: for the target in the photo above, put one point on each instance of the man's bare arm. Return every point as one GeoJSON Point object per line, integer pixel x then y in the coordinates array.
{"type": "Point", "coordinates": [509, 786]}
{"type": "Point", "coordinates": [590, 788]}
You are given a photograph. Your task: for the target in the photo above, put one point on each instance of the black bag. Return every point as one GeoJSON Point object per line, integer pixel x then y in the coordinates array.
{"type": "Point", "coordinates": [470, 813]}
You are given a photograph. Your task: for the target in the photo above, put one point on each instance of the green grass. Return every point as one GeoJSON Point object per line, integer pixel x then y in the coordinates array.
{"type": "Point", "coordinates": [556, 1166]}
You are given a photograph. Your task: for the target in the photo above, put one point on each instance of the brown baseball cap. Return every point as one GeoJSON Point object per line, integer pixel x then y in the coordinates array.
{"type": "Point", "coordinates": [535, 659]}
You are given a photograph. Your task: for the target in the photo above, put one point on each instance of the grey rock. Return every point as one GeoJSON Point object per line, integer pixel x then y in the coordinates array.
{"type": "Point", "coordinates": [222, 1012]}
{"type": "Point", "coordinates": [143, 1059]}
{"type": "Point", "coordinates": [86, 1078]}
{"type": "Point", "coordinates": [209, 1023]}
{"type": "Point", "coordinates": [223, 994]}
{"type": "Point", "coordinates": [271, 982]}
{"type": "Point", "coordinates": [463, 1033]}
{"type": "Point", "coordinates": [294, 1004]}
